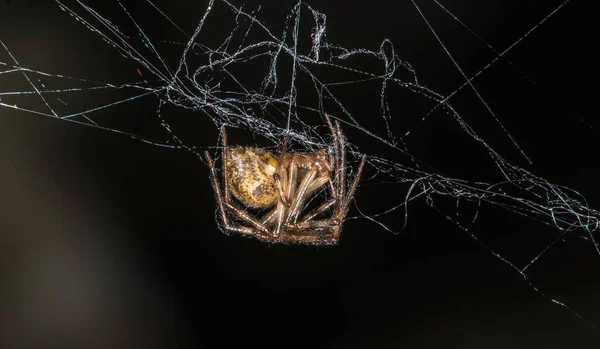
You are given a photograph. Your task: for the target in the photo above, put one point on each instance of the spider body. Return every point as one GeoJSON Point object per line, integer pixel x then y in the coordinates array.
{"type": "Point", "coordinates": [250, 172]}
{"type": "Point", "coordinates": [253, 173]}
{"type": "Point", "coordinates": [280, 186]}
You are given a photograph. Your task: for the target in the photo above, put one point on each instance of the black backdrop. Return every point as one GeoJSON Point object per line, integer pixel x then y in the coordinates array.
{"type": "Point", "coordinates": [111, 242]}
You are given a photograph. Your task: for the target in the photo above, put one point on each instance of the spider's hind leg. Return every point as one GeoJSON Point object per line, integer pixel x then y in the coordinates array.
{"type": "Point", "coordinates": [345, 205]}
{"type": "Point", "coordinates": [215, 184]}
{"type": "Point", "coordinates": [283, 180]}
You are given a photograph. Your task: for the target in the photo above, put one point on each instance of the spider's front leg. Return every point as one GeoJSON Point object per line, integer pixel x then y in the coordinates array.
{"type": "Point", "coordinates": [285, 178]}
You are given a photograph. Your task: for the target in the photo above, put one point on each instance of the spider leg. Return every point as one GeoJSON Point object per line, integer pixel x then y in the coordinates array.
{"type": "Point", "coordinates": [315, 239]}
{"type": "Point", "coordinates": [290, 187]}
{"type": "Point", "coordinates": [308, 186]}
{"type": "Point", "coordinates": [300, 196]}
{"type": "Point", "coordinates": [285, 183]}
{"type": "Point", "coordinates": [316, 184]}
{"type": "Point", "coordinates": [318, 232]}
{"type": "Point", "coordinates": [279, 218]}
{"type": "Point", "coordinates": [319, 236]}
{"type": "Point", "coordinates": [341, 208]}
{"type": "Point", "coordinates": [224, 161]}
{"type": "Point", "coordinates": [339, 155]}
{"type": "Point", "coordinates": [241, 214]}
{"type": "Point", "coordinates": [317, 211]}
{"type": "Point", "coordinates": [279, 181]}
{"type": "Point", "coordinates": [334, 157]}
{"type": "Point", "coordinates": [215, 184]}
{"type": "Point", "coordinates": [340, 169]}
{"type": "Point", "coordinates": [346, 204]}
{"type": "Point", "coordinates": [322, 225]}
{"type": "Point", "coordinates": [240, 229]}
{"type": "Point", "coordinates": [270, 216]}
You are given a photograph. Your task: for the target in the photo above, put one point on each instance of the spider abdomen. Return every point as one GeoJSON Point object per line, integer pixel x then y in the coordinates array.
{"type": "Point", "coordinates": [250, 175]}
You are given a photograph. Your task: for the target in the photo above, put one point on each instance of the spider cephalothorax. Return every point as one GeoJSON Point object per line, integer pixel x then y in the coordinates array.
{"type": "Point", "coordinates": [281, 185]}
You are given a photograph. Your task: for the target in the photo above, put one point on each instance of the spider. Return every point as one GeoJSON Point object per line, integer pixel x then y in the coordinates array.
{"type": "Point", "coordinates": [281, 186]}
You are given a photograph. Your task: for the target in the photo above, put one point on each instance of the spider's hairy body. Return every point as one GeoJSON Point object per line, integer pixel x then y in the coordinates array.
{"type": "Point", "coordinates": [281, 187]}
{"type": "Point", "coordinates": [250, 172]}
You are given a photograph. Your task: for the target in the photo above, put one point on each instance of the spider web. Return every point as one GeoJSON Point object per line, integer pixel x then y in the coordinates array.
{"type": "Point", "coordinates": [244, 70]}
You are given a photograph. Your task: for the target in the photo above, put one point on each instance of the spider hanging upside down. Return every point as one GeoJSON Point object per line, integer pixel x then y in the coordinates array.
{"type": "Point", "coordinates": [259, 180]}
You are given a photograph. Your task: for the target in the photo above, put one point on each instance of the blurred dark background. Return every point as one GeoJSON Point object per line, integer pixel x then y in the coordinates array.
{"type": "Point", "coordinates": [106, 241]}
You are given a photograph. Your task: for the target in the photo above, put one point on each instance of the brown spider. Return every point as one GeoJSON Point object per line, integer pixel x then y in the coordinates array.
{"type": "Point", "coordinates": [259, 180]}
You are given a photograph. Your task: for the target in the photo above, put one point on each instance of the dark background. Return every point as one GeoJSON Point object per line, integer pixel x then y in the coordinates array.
{"type": "Point", "coordinates": [107, 241]}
